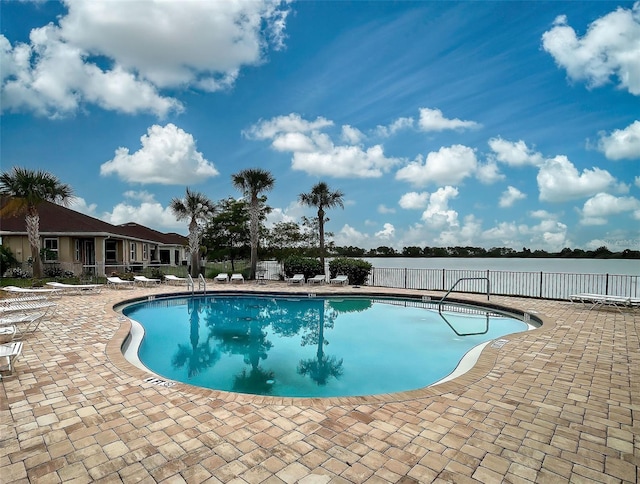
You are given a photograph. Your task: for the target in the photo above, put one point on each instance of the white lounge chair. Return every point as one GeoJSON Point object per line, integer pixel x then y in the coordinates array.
{"type": "Point", "coordinates": [317, 279]}
{"type": "Point", "coordinates": [9, 352]}
{"type": "Point", "coordinates": [601, 300]}
{"type": "Point", "coordinates": [171, 279]}
{"type": "Point", "coordinates": [23, 323]}
{"type": "Point", "coordinates": [33, 291]}
{"type": "Point", "coordinates": [296, 279]}
{"type": "Point", "coordinates": [19, 300]}
{"type": "Point", "coordinates": [222, 277]}
{"type": "Point", "coordinates": [115, 282]}
{"type": "Point", "coordinates": [76, 288]}
{"type": "Point", "coordinates": [238, 278]}
{"type": "Point", "coordinates": [340, 279]}
{"type": "Point", "coordinates": [145, 281]}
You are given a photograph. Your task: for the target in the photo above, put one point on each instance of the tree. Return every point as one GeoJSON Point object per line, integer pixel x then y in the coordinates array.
{"type": "Point", "coordinates": [226, 233]}
{"type": "Point", "coordinates": [28, 189]}
{"type": "Point", "coordinates": [197, 208]}
{"type": "Point", "coordinates": [322, 197]}
{"type": "Point", "coordinates": [252, 182]}
{"type": "Point", "coordinates": [284, 239]}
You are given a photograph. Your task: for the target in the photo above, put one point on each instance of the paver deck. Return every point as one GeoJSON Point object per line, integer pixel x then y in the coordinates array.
{"type": "Point", "coordinates": [558, 404]}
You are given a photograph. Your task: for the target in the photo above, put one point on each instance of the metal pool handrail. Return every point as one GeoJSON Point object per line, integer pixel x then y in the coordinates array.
{"type": "Point", "coordinates": [466, 279]}
{"type": "Point", "coordinates": [449, 291]}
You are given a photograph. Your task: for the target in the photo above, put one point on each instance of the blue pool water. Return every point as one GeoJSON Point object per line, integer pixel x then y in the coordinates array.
{"type": "Point", "coordinates": [309, 347]}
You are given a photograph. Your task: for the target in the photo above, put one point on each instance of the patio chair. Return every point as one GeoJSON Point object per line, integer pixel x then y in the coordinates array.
{"type": "Point", "coordinates": [23, 323]}
{"type": "Point", "coordinates": [317, 279]}
{"type": "Point", "coordinates": [222, 277]}
{"type": "Point", "coordinates": [76, 288]}
{"type": "Point", "coordinates": [340, 279]}
{"type": "Point", "coordinates": [145, 281]}
{"type": "Point", "coordinates": [33, 291]}
{"type": "Point", "coordinates": [9, 352]}
{"type": "Point", "coordinates": [115, 282]}
{"type": "Point", "coordinates": [296, 279]}
{"type": "Point", "coordinates": [175, 280]}
{"type": "Point", "coordinates": [238, 278]}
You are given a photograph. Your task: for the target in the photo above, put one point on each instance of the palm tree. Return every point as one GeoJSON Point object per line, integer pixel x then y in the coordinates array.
{"type": "Point", "coordinates": [322, 197]}
{"type": "Point", "coordinates": [197, 208]}
{"type": "Point", "coordinates": [28, 189]}
{"type": "Point", "coordinates": [252, 182]}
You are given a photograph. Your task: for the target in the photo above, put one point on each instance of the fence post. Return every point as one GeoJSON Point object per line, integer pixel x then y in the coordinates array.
{"type": "Point", "coordinates": [405, 277]}
{"type": "Point", "coordinates": [606, 285]}
{"type": "Point", "coordinates": [443, 277]}
{"type": "Point", "coordinates": [540, 293]}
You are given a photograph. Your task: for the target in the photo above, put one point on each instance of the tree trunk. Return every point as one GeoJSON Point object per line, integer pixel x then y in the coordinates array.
{"type": "Point", "coordinates": [255, 220]}
{"type": "Point", "coordinates": [321, 231]}
{"type": "Point", "coordinates": [194, 248]}
{"type": "Point", "coordinates": [33, 234]}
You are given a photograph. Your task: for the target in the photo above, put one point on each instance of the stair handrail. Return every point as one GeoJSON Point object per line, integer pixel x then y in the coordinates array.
{"type": "Point", "coordinates": [190, 283]}
{"type": "Point", "coordinates": [465, 279]}
{"type": "Point", "coordinates": [451, 289]}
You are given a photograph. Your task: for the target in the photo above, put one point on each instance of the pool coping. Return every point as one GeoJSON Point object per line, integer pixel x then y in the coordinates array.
{"type": "Point", "coordinates": [483, 366]}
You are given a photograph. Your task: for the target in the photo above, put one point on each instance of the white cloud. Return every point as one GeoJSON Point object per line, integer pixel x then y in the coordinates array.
{"type": "Point", "coordinates": [449, 165]}
{"type": "Point", "coordinates": [145, 45]}
{"type": "Point", "coordinates": [434, 120]}
{"type": "Point", "coordinates": [611, 47]}
{"type": "Point", "coordinates": [168, 156]}
{"type": "Point", "coordinates": [348, 236]}
{"type": "Point", "coordinates": [398, 125]}
{"type": "Point", "coordinates": [291, 123]}
{"type": "Point", "coordinates": [597, 209]}
{"type": "Point", "coordinates": [438, 214]}
{"type": "Point", "coordinates": [637, 181]}
{"type": "Point", "coordinates": [315, 153]}
{"type": "Point", "coordinates": [510, 196]}
{"type": "Point", "coordinates": [51, 78]}
{"type": "Point", "coordinates": [559, 181]}
{"type": "Point", "coordinates": [149, 37]}
{"type": "Point", "coordinates": [149, 213]}
{"type": "Point", "coordinates": [384, 209]}
{"type": "Point", "coordinates": [79, 204]}
{"type": "Point", "coordinates": [489, 173]}
{"type": "Point", "coordinates": [414, 200]}
{"type": "Point", "coordinates": [514, 153]}
{"type": "Point", "coordinates": [351, 135]}
{"type": "Point", "coordinates": [622, 143]}
{"type": "Point", "coordinates": [542, 214]}
{"type": "Point", "coordinates": [387, 233]}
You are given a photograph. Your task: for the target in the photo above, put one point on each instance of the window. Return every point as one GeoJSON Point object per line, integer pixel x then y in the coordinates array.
{"type": "Point", "coordinates": [111, 251]}
{"type": "Point", "coordinates": [77, 249]}
{"type": "Point", "coordinates": [50, 250]}
{"type": "Point", "coordinates": [134, 253]}
{"type": "Point", "coordinates": [145, 251]}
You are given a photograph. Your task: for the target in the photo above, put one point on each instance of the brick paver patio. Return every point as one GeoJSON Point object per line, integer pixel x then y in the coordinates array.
{"type": "Point", "coordinates": [558, 404]}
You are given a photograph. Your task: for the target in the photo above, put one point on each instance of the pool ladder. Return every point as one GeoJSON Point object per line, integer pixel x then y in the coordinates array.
{"type": "Point", "coordinates": [202, 283]}
{"type": "Point", "coordinates": [486, 330]}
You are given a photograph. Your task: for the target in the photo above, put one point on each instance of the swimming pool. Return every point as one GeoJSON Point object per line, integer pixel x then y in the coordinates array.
{"type": "Point", "coordinates": [310, 346]}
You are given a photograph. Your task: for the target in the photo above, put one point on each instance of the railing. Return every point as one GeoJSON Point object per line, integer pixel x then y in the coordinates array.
{"type": "Point", "coordinates": [543, 285]}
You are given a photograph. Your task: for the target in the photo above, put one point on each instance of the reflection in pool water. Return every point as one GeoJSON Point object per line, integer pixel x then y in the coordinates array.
{"type": "Point", "coordinates": [309, 347]}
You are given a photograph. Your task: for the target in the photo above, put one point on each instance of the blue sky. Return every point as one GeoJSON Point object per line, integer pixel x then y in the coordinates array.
{"type": "Point", "coordinates": [491, 124]}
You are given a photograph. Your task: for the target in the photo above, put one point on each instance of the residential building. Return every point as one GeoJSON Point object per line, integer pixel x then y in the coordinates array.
{"type": "Point", "coordinates": [85, 245]}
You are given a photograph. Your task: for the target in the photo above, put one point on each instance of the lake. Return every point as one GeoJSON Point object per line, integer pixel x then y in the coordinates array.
{"type": "Point", "coordinates": [571, 266]}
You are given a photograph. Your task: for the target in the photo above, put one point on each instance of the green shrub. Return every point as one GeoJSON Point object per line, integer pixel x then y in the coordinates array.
{"type": "Point", "coordinates": [295, 264]}
{"type": "Point", "coordinates": [355, 269]}
{"type": "Point", "coordinates": [156, 273]}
